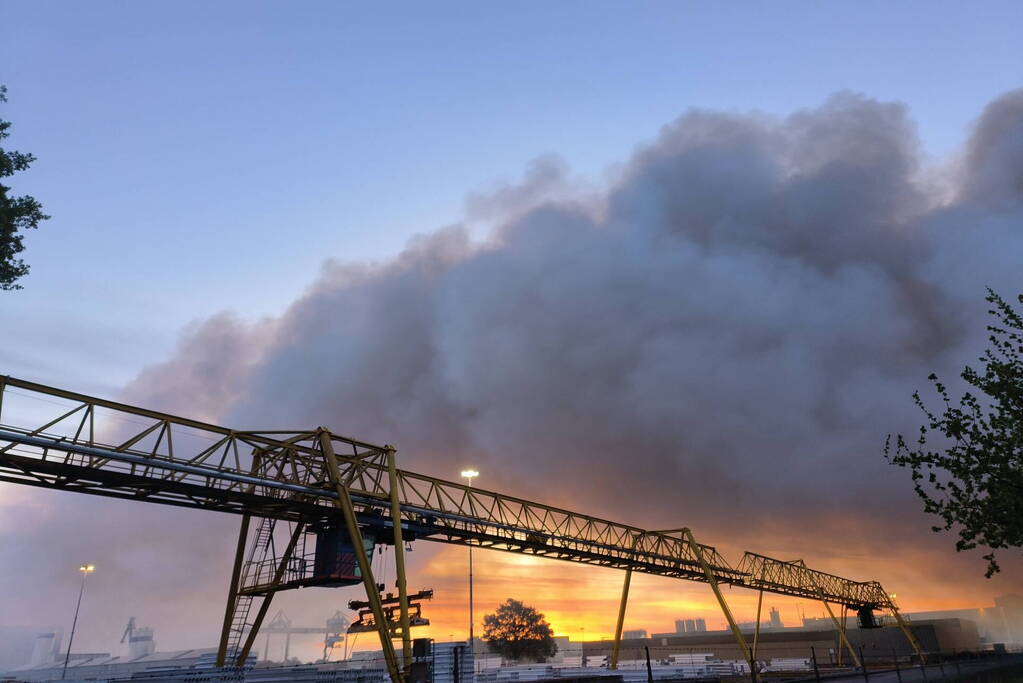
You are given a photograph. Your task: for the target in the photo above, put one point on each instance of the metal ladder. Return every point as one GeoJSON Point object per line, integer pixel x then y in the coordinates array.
{"type": "Point", "coordinates": [239, 628]}
{"type": "Point", "coordinates": [263, 545]}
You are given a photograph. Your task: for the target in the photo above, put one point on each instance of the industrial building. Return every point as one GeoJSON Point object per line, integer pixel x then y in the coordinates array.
{"type": "Point", "coordinates": [938, 635]}
{"type": "Point", "coordinates": [690, 625]}
{"type": "Point", "coordinates": [1002, 623]}
{"type": "Point", "coordinates": [105, 666]}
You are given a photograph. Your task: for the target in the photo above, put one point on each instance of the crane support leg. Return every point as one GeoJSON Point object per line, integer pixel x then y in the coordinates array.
{"type": "Point", "coordinates": [756, 628]}
{"type": "Point", "coordinates": [344, 503]}
{"type": "Point", "coordinates": [232, 592]}
{"type": "Point", "coordinates": [712, 580]}
{"type": "Point", "coordinates": [843, 625]}
{"type": "Point", "coordinates": [282, 566]}
{"type": "Point", "coordinates": [616, 650]}
{"type": "Point", "coordinates": [399, 561]}
{"type": "Point", "coordinates": [250, 639]}
{"type": "Point", "coordinates": [841, 634]}
{"type": "Point", "coordinates": [908, 632]}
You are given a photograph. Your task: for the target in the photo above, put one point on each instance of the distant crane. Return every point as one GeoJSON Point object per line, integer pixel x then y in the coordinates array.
{"type": "Point", "coordinates": [140, 639]}
{"type": "Point", "coordinates": [128, 630]}
{"type": "Point", "coordinates": [282, 624]}
{"type": "Point", "coordinates": [336, 625]}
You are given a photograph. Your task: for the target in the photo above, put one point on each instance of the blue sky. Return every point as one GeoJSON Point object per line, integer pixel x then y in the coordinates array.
{"type": "Point", "coordinates": [199, 157]}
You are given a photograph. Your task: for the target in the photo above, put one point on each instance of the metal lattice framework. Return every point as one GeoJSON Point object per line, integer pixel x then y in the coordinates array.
{"type": "Point", "coordinates": [796, 578]}
{"type": "Point", "coordinates": [295, 480]}
{"type": "Point", "coordinates": [282, 475]}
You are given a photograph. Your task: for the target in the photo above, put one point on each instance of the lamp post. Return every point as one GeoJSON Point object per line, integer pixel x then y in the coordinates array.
{"type": "Point", "coordinates": [470, 474]}
{"type": "Point", "coordinates": [85, 569]}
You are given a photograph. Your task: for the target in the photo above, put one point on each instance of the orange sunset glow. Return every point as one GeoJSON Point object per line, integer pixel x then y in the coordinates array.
{"type": "Point", "coordinates": [581, 602]}
{"type": "Point", "coordinates": [333, 328]}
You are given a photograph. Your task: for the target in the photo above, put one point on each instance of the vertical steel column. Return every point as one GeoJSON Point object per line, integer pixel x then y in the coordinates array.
{"type": "Point", "coordinates": [399, 561]}
{"type": "Point", "coordinates": [344, 504]}
{"type": "Point", "coordinates": [756, 628]}
{"type": "Point", "coordinates": [236, 572]}
{"type": "Point", "coordinates": [843, 625]}
{"type": "Point", "coordinates": [712, 580]}
{"type": "Point", "coordinates": [616, 650]}
{"type": "Point", "coordinates": [841, 635]}
{"type": "Point", "coordinates": [620, 625]}
{"type": "Point", "coordinates": [265, 606]}
{"type": "Point", "coordinates": [232, 593]}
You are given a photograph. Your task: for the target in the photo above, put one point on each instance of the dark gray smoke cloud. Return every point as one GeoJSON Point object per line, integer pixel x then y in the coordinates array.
{"type": "Point", "coordinates": [722, 337]}
{"type": "Point", "coordinates": [726, 333]}
{"type": "Point", "coordinates": [745, 309]}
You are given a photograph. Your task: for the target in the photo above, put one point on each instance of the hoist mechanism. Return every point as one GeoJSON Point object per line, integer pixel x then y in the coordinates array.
{"type": "Point", "coordinates": [392, 606]}
{"type": "Point", "coordinates": [314, 504]}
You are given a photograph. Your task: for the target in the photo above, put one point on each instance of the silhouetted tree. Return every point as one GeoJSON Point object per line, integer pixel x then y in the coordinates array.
{"type": "Point", "coordinates": [17, 214]}
{"type": "Point", "coordinates": [974, 480]}
{"type": "Point", "coordinates": [517, 632]}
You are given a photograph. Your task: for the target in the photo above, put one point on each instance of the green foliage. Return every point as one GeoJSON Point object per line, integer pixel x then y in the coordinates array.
{"type": "Point", "coordinates": [517, 632]}
{"type": "Point", "coordinates": [974, 482]}
{"type": "Point", "coordinates": [17, 214]}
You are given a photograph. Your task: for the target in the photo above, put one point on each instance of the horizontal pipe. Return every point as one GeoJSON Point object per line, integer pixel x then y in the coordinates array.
{"type": "Point", "coordinates": [60, 445]}
{"type": "Point", "coordinates": [7, 380]}
{"type": "Point", "coordinates": [261, 436]}
{"type": "Point", "coordinates": [93, 451]}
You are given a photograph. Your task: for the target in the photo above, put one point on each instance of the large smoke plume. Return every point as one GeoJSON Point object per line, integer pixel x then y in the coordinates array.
{"type": "Point", "coordinates": [746, 309]}
{"type": "Point", "coordinates": [721, 337]}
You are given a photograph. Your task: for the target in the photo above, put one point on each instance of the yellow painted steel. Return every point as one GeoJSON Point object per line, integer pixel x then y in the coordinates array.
{"type": "Point", "coordinates": [842, 624]}
{"type": "Point", "coordinates": [908, 632]}
{"type": "Point", "coordinates": [756, 628]}
{"type": "Point", "coordinates": [841, 635]}
{"type": "Point", "coordinates": [620, 625]}
{"type": "Point", "coordinates": [232, 593]}
{"type": "Point", "coordinates": [399, 561]}
{"type": "Point", "coordinates": [712, 580]}
{"type": "Point", "coordinates": [344, 504]}
{"type": "Point", "coordinates": [212, 473]}
{"type": "Point", "coordinates": [616, 650]}
{"type": "Point", "coordinates": [239, 557]}
{"type": "Point", "coordinates": [265, 605]}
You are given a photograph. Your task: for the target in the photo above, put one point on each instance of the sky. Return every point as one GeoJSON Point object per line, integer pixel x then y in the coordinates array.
{"type": "Point", "coordinates": [473, 205]}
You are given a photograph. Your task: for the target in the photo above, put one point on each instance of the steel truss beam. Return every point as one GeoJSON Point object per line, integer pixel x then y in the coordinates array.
{"type": "Point", "coordinates": [302, 477]}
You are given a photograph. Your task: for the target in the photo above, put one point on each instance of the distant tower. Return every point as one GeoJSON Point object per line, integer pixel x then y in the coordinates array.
{"type": "Point", "coordinates": [680, 626]}
{"type": "Point", "coordinates": [141, 643]}
{"type": "Point", "coordinates": [776, 619]}
{"type": "Point", "coordinates": [701, 625]}
{"type": "Point", "coordinates": [45, 648]}
{"type": "Point", "coordinates": [690, 626]}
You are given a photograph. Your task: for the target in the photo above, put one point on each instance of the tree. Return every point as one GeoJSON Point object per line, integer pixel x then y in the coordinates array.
{"type": "Point", "coordinates": [974, 480]}
{"type": "Point", "coordinates": [516, 632]}
{"type": "Point", "coordinates": [17, 214]}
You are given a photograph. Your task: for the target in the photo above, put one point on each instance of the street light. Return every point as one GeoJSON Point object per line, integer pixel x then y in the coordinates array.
{"type": "Point", "coordinates": [470, 474]}
{"type": "Point", "coordinates": [85, 569]}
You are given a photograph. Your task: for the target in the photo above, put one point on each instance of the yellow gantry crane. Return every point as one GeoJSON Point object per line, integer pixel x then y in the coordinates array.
{"type": "Point", "coordinates": [314, 505]}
